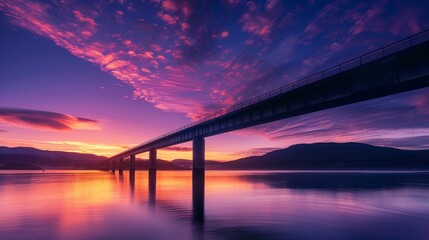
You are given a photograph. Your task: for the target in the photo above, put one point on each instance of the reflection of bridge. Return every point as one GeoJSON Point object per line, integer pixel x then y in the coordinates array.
{"type": "Point", "coordinates": [396, 68]}
{"type": "Point", "coordinates": [197, 194]}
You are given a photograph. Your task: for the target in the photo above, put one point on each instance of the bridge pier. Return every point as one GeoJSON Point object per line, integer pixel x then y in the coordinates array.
{"type": "Point", "coordinates": [121, 166]}
{"type": "Point", "coordinates": [152, 160]}
{"type": "Point", "coordinates": [132, 163]}
{"type": "Point", "coordinates": [113, 166]}
{"type": "Point", "coordinates": [198, 176]}
{"type": "Point", "coordinates": [198, 154]}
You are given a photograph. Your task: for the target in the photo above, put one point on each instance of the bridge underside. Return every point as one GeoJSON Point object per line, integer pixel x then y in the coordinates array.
{"type": "Point", "coordinates": [355, 81]}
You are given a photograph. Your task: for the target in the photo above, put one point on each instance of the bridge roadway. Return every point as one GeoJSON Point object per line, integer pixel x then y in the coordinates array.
{"type": "Point", "coordinates": [399, 67]}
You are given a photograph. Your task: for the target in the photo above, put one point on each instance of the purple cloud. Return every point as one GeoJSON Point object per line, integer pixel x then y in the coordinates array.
{"type": "Point", "coordinates": [45, 120]}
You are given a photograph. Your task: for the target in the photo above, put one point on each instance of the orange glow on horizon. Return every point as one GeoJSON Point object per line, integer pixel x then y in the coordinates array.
{"type": "Point", "coordinates": [111, 149]}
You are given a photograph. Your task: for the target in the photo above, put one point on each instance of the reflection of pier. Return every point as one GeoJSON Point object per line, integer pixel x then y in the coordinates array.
{"type": "Point", "coordinates": [198, 196]}
{"type": "Point", "coordinates": [152, 187]}
{"type": "Point", "coordinates": [198, 189]}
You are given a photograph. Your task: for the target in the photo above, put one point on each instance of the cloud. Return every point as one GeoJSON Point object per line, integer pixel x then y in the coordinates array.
{"type": "Point", "coordinates": [167, 18]}
{"type": "Point", "coordinates": [45, 120]}
{"type": "Point", "coordinates": [168, 54]}
{"type": "Point", "coordinates": [145, 70]}
{"type": "Point", "coordinates": [81, 17]}
{"type": "Point", "coordinates": [169, 5]}
{"type": "Point", "coordinates": [116, 64]}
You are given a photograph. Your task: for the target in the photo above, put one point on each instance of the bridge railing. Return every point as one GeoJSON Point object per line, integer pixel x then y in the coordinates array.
{"type": "Point", "coordinates": [355, 62]}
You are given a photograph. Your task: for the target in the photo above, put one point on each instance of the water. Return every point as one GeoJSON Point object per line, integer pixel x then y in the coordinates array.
{"type": "Point", "coordinates": [234, 205]}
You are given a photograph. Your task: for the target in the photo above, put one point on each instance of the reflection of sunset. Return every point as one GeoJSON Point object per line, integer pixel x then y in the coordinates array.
{"type": "Point", "coordinates": [76, 80]}
{"type": "Point", "coordinates": [93, 204]}
{"type": "Point", "coordinates": [58, 200]}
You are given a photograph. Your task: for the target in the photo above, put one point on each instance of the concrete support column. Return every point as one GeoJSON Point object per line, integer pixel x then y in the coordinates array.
{"type": "Point", "coordinates": [152, 159]}
{"type": "Point", "coordinates": [113, 166]}
{"type": "Point", "coordinates": [121, 166]}
{"type": "Point", "coordinates": [198, 153]}
{"type": "Point", "coordinates": [132, 163]}
{"type": "Point", "coordinates": [198, 175]}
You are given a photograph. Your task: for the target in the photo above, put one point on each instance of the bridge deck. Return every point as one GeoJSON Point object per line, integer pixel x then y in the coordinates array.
{"type": "Point", "coordinates": [399, 67]}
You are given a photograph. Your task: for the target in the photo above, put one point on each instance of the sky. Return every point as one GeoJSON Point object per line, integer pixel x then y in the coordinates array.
{"type": "Point", "coordinates": [102, 76]}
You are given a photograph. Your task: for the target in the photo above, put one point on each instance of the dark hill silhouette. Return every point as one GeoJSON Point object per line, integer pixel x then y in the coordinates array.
{"type": "Point", "coordinates": [317, 156]}
{"type": "Point", "coordinates": [20, 166]}
{"type": "Point", "coordinates": [25, 158]}
{"type": "Point", "coordinates": [334, 156]}
{"type": "Point", "coordinates": [47, 159]}
{"type": "Point", "coordinates": [325, 156]}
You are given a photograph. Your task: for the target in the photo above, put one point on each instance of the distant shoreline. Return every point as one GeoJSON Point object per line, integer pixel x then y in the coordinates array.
{"type": "Point", "coordinates": [300, 157]}
{"type": "Point", "coordinates": [249, 170]}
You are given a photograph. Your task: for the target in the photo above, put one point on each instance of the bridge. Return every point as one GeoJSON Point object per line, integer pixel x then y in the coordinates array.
{"type": "Point", "coordinates": [399, 67]}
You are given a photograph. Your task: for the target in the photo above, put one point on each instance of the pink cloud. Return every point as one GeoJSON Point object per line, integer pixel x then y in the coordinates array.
{"type": "Point", "coordinates": [117, 64]}
{"type": "Point", "coordinates": [167, 18]}
{"type": "Point", "coordinates": [184, 25]}
{"type": "Point", "coordinates": [312, 28]}
{"type": "Point", "coordinates": [86, 33]}
{"type": "Point", "coordinates": [81, 17]}
{"type": "Point", "coordinates": [145, 70]}
{"type": "Point", "coordinates": [162, 58]}
{"type": "Point", "coordinates": [224, 34]}
{"type": "Point", "coordinates": [410, 26]}
{"type": "Point", "coordinates": [336, 47]}
{"type": "Point", "coordinates": [256, 24]}
{"type": "Point", "coordinates": [169, 5]}
{"type": "Point", "coordinates": [363, 20]}
{"type": "Point", "coordinates": [147, 54]}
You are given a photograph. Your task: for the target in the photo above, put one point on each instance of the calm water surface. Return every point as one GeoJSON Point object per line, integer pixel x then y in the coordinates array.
{"type": "Point", "coordinates": [234, 205]}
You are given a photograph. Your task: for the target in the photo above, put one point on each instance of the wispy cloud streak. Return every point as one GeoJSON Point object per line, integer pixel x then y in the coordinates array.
{"type": "Point", "coordinates": [45, 120]}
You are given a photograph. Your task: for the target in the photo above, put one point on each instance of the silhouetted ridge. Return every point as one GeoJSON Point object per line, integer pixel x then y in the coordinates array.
{"type": "Point", "coordinates": [22, 156]}
{"type": "Point", "coordinates": [335, 156]}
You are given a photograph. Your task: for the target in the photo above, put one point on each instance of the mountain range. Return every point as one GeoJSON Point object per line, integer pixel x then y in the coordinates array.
{"type": "Point", "coordinates": [317, 156]}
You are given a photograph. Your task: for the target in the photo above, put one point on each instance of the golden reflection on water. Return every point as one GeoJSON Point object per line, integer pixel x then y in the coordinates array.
{"type": "Point", "coordinates": [102, 205]}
